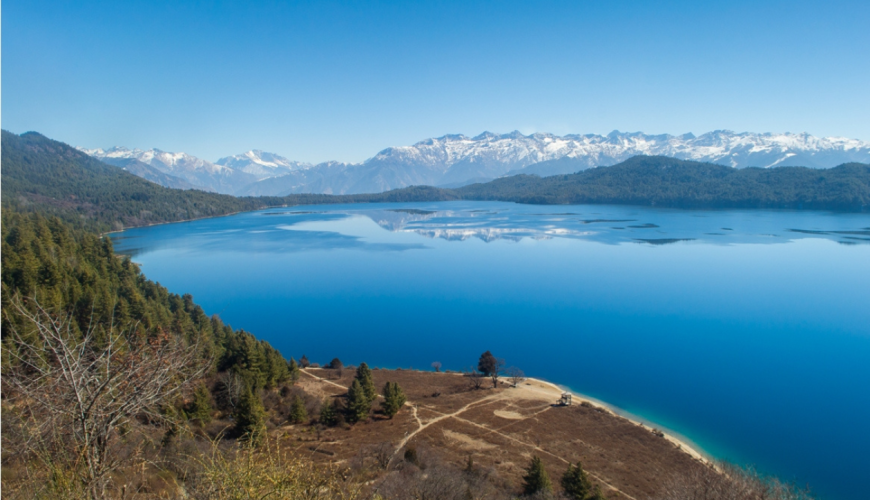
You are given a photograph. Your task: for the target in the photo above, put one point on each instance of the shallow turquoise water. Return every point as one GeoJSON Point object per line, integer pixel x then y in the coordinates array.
{"type": "Point", "coordinates": [746, 331]}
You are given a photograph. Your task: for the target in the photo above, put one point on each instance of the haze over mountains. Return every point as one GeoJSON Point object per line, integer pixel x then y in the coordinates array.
{"type": "Point", "coordinates": [456, 160]}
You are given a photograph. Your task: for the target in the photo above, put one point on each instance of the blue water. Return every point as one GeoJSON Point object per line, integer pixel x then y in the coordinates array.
{"type": "Point", "coordinates": [748, 332]}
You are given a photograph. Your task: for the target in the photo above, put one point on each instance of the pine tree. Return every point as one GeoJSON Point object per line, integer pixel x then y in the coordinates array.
{"type": "Point", "coordinates": [303, 361]}
{"type": "Point", "coordinates": [293, 368]}
{"type": "Point", "coordinates": [250, 416]}
{"type": "Point", "coordinates": [536, 478]}
{"type": "Point", "coordinates": [597, 494]}
{"type": "Point", "coordinates": [575, 483]}
{"type": "Point", "coordinates": [298, 414]}
{"type": "Point", "coordinates": [364, 375]}
{"type": "Point", "coordinates": [358, 402]}
{"type": "Point", "coordinates": [200, 409]}
{"type": "Point", "coordinates": [487, 363]}
{"type": "Point", "coordinates": [394, 399]}
{"type": "Point", "coordinates": [328, 413]}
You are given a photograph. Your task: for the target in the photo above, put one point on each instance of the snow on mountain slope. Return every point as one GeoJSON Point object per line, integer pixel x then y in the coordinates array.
{"type": "Point", "coordinates": [198, 172]}
{"type": "Point", "coordinates": [262, 164]}
{"type": "Point", "coordinates": [456, 159]}
{"type": "Point", "coordinates": [152, 174]}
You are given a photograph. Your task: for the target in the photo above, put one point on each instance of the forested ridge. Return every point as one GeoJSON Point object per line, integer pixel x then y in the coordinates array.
{"type": "Point", "coordinates": [669, 182]}
{"type": "Point", "coordinates": [98, 361]}
{"type": "Point", "coordinates": [72, 271]}
{"type": "Point", "coordinates": [52, 178]}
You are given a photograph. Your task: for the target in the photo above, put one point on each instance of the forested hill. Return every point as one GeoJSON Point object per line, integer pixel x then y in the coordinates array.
{"type": "Point", "coordinates": [52, 178]}
{"type": "Point", "coordinates": [49, 177]}
{"type": "Point", "coordinates": [668, 182]}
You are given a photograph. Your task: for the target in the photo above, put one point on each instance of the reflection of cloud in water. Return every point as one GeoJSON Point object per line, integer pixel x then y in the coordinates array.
{"type": "Point", "coordinates": [333, 228]}
{"type": "Point", "coordinates": [514, 225]}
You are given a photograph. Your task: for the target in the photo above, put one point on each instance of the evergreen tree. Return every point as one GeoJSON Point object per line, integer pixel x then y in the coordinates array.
{"type": "Point", "coordinates": [364, 375]}
{"type": "Point", "coordinates": [575, 483]}
{"type": "Point", "coordinates": [597, 494]}
{"type": "Point", "coordinates": [303, 361]}
{"type": "Point", "coordinates": [487, 364]}
{"type": "Point", "coordinates": [250, 416]}
{"type": "Point", "coordinates": [200, 408]}
{"type": "Point", "coordinates": [536, 478]}
{"type": "Point", "coordinates": [293, 368]}
{"type": "Point", "coordinates": [328, 413]}
{"type": "Point", "coordinates": [358, 402]}
{"type": "Point", "coordinates": [394, 399]}
{"type": "Point", "coordinates": [298, 414]}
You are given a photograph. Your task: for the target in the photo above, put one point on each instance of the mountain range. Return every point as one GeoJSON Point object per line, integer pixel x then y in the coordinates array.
{"type": "Point", "coordinates": [458, 160]}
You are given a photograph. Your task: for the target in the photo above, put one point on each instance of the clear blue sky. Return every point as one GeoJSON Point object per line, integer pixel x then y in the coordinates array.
{"type": "Point", "coordinates": [343, 80]}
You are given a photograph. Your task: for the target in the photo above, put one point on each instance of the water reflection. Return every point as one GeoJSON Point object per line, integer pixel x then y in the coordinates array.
{"type": "Point", "coordinates": [333, 227]}
{"type": "Point", "coordinates": [640, 225]}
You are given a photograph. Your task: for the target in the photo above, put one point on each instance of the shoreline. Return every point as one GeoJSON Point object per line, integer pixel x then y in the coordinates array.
{"type": "Point", "coordinates": [681, 442]}
{"type": "Point", "coordinates": [185, 220]}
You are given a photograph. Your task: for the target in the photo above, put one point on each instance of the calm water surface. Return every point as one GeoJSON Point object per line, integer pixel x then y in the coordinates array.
{"type": "Point", "coordinates": [748, 332]}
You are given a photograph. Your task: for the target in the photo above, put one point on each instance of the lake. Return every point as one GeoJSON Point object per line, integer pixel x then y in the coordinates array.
{"type": "Point", "coordinates": [745, 331]}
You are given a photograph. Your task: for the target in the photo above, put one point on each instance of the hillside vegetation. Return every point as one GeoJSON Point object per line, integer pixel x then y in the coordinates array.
{"type": "Point", "coordinates": [668, 182]}
{"type": "Point", "coordinates": [52, 178]}
{"type": "Point", "coordinates": [49, 177]}
{"type": "Point", "coordinates": [113, 387]}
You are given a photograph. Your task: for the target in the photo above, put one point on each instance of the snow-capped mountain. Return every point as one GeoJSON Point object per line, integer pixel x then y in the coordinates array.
{"type": "Point", "coordinates": [200, 173]}
{"type": "Point", "coordinates": [262, 164]}
{"type": "Point", "coordinates": [457, 159]}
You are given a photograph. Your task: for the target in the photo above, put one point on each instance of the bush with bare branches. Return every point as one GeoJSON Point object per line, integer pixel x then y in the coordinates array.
{"type": "Point", "coordinates": [515, 376]}
{"type": "Point", "coordinates": [247, 472]}
{"type": "Point", "coordinates": [75, 394]}
{"type": "Point", "coordinates": [475, 378]}
{"type": "Point", "coordinates": [728, 483]}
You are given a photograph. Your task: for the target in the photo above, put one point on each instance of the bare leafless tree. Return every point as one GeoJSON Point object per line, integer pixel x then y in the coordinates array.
{"type": "Point", "coordinates": [382, 453]}
{"type": "Point", "coordinates": [728, 482]}
{"type": "Point", "coordinates": [78, 389]}
{"type": "Point", "coordinates": [230, 388]}
{"type": "Point", "coordinates": [474, 377]}
{"type": "Point", "coordinates": [497, 371]}
{"type": "Point", "coordinates": [436, 365]}
{"type": "Point", "coordinates": [515, 375]}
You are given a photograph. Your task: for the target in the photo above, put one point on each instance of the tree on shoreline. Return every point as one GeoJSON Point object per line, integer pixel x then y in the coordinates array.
{"type": "Point", "coordinates": [336, 365]}
{"type": "Point", "coordinates": [515, 375]}
{"type": "Point", "coordinates": [491, 367]}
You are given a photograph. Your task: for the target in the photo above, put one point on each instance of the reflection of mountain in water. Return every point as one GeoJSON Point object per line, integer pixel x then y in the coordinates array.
{"type": "Point", "coordinates": [645, 226]}
{"type": "Point", "coordinates": [464, 225]}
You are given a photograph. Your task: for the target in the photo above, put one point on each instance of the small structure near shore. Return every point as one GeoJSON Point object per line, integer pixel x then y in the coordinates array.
{"type": "Point", "coordinates": [565, 400]}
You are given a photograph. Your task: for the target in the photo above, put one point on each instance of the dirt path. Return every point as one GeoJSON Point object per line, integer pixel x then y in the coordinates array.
{"type": "Point", "coordinates": [539, 449]}
{"type": "Point", "coordinates": [421, 426]}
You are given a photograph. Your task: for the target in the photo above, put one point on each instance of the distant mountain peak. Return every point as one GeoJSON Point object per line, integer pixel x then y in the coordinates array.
{"type": "Point", "coordinates": [456, 158]}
